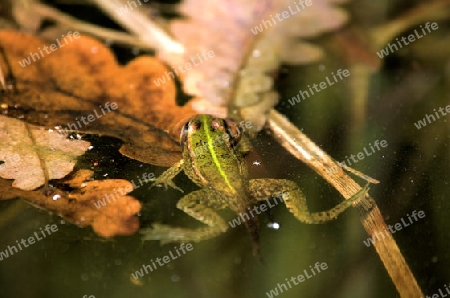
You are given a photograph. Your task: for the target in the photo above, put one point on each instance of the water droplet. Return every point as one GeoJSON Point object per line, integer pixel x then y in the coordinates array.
{"type": "Point", "coordinates": [55, 197]}
{"type": "Point", "coordinates": [175, 278]}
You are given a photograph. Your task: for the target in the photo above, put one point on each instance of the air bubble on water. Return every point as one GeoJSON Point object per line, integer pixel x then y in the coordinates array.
{"type": "Point", "coordinates": [273, 225]}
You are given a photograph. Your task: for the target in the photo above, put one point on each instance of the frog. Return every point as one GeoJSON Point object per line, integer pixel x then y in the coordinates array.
{"type": "Point", "coordinates": [213, 157]}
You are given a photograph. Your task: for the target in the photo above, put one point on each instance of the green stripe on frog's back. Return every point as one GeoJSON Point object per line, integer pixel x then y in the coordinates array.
{"type": "Point", "coordinates": [212, 150]}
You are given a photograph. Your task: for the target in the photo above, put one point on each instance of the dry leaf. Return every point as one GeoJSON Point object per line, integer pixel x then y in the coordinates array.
{"type": "Point", "coordinates": [78, 206]}
{"type": "Point", "coordinates": [33, 155]}
{"type": "Point", "coordinates": [82, 78]}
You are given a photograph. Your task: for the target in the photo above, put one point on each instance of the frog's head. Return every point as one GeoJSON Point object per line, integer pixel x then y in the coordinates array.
{"type": "Point", "coordinates": [202, 130]}
{"type": "Point", "coordinates": [210, 155]}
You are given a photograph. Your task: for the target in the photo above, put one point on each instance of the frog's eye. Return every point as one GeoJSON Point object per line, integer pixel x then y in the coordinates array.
{"type": "Point", "coordinates": [191, 126]}
{"type": "Point", "coordinates": [184, 133]}
{"type": "Point", "coordinates": [233, 131]}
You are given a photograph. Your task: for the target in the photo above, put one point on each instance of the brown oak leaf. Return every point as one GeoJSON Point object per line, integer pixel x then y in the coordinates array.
{"type": "Point", "coordinates": [79, 206]}
{"type": "Point", "coordinates": [33, 155]}
{"type": "Point", "coordinates": [80, 81]}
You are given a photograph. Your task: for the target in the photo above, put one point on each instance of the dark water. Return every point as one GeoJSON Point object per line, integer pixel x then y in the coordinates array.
{"type": "Point", "coordinates": [413, 170]}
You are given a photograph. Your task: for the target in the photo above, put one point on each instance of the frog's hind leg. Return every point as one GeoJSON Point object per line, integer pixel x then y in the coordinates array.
{"type": "Point", "coordinates": [200, 205]}
{"type": "Point", "coordinates": [288, 191]}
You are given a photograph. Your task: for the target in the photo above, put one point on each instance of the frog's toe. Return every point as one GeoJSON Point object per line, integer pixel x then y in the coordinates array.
{"type": "Point", "coordinates": [161, 232]}
{"type": "Point", "coordinates": [166, 185]}
{"type": "Point", "coordinates": [171, 184]}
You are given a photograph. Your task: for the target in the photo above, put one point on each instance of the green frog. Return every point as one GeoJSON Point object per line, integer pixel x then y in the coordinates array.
{"type": "Point", "coordinates": [213, 158]}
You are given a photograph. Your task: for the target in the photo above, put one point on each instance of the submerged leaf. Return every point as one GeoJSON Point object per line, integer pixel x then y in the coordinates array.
{"type": "Point", "coordinates": [79, 206]}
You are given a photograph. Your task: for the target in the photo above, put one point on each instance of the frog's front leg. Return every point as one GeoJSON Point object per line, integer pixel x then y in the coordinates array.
{"type": "Point", "coordinates": [200, 205]}
{"type": "Point", "coordinates": [167, 176]}
{"type": "Point", "coordinates": [264, 189]}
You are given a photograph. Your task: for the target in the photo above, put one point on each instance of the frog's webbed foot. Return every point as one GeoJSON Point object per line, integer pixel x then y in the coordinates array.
{"type": "Point", "coordinates": [167, 176]}
{"type": "Point", "coordinates": [164, 233]}
{"type": "Point", "coordinates": [198, 204]}
{"type": "Point", "coordinates": [288, 191]}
